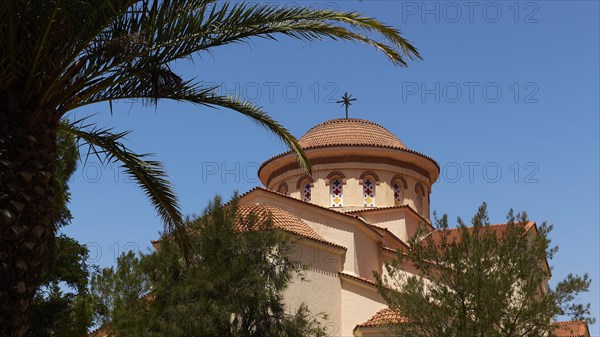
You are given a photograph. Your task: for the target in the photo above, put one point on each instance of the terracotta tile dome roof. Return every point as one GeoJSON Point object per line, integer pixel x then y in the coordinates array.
{"type": "Point", "coordinates": [350, 131]}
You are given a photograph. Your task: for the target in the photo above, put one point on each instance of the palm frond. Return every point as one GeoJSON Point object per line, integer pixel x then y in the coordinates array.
{"type": "Point", "coordinates": [148, 174]}
{"type": "Point", "coordinates": [199, 29]}
{"type": "Point", "coordinates": [156, 33]}
{"type": "Point", "coordinates": [87, 48]}
{"type": "Point", "coordinates": [171, 87]}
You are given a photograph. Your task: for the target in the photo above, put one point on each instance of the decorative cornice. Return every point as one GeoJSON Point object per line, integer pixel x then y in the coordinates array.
{"type": "Point", "coordinates": [350, 159]}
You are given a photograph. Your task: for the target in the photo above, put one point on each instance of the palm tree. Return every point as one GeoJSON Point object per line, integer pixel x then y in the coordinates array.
{"type": "Point", "coordinates": [59, 55]}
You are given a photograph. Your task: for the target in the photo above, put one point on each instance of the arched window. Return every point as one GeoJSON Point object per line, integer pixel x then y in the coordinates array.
{"type": "Point", "coordinates": [420, 193]}
{"type": "Point", "coordinates": [305, 184]}
{"type": "Point", "coordinates": [336, 192]}
{"type": "Point", "coordinates": [336, 181]}
{"type": "Point", "coordinates": [399, 185]}
{"type": "Point", "coordinates": [306, 191]}
{"type": "Point", "coordinates": [369, 180]}
{"type": "Point", "coordinates": [369, 192]}
{"type": "Point", "coordinates": [283, 188]}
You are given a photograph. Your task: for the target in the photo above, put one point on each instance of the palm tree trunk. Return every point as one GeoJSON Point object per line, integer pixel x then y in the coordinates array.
{"type": "Point", "coordinates": [27, 159]}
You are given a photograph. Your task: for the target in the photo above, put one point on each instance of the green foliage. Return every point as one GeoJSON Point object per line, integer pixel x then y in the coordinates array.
{"type": "Point", "coordinates": [232, 286]}
{"type": "Point", "coordinates": [66, 163]}
{"type": "Point", "coordinates": [150, 175]}
{"type": "Point", "coordinates": [486, 281]}
{"type": "Point", "coordinates": [60, 314]}
{"type": "Point", "coordinates": [121, 296]}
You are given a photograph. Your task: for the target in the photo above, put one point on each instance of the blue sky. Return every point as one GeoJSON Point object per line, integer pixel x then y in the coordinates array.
{"type": "Point", "coordinates": [506, 100]}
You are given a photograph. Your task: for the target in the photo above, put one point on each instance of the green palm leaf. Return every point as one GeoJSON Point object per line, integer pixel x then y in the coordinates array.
{"type": "Point", "coordinates": [148, 174]}
{"type": "Point", "coordinates": [147, 86]}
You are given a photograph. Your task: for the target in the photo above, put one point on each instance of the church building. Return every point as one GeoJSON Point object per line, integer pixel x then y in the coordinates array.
{"type": "Point", "coordinates": [366, 197]}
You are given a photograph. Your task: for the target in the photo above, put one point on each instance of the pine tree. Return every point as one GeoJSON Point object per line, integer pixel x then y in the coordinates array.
{"type": "Point", "coordinates": [480, 280]}
{"type": "Point", "coordinates": [233, 285]}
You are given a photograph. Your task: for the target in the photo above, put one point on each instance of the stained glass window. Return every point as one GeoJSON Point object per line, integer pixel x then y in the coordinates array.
{"type": "Point", "coordinates": [306, 192]}
{"type": "Point", "coordinates": [369, 192]}
{"type": "Point", "coordinates": [398, 194]}
{"type": "Point", "coordinates": [336, 193]}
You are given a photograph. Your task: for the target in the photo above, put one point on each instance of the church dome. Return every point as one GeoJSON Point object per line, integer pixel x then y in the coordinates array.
{"type": "Point", "coordinates": [356, 164]}
{"type": "Point", "coordinates": [349, 132]}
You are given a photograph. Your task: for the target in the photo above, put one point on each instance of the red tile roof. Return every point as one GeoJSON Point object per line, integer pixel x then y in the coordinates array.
{"type": "Point", "coordinates": [570, 329]}
{"type": "Point", "coordinates": [351, 131]}
{"type": "Point", "coordinates": [454, 235]}
{"type": "Point", "coordinates": [383, 317]}
{"type": "Point", "coordinates": [280, 219]}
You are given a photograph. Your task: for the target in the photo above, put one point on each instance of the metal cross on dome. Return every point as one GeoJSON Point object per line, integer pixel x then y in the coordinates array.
{"type": "Point", "coordinates": [346, 101]}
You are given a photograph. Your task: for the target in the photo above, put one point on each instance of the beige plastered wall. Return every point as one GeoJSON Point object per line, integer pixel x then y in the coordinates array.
{"type": "Point", "coordinates": [353, 188]}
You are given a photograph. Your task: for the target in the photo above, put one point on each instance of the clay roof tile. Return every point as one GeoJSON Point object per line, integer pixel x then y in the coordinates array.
{"type": "Point", "coordinates": [383, 317]}
{"type": "Point", "coordinates": [280, 219]}
{"type": "Point", "coordinates": [351, 131]}
{"type": "Point", "coordinates": [570, 329]}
